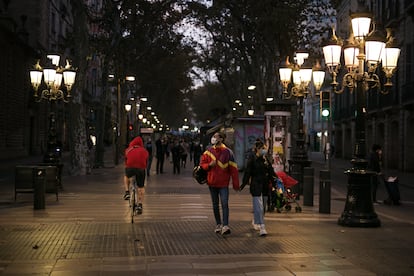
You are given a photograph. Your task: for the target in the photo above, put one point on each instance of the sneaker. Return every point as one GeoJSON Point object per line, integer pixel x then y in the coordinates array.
{"type": "Point", "coordinates": [263, 231]}
{"type": "Point", "coordinates": [139, 209]}
{"type": "Point", "coordinates": [218, 228]}
{"type": "Point", "coordinates": [225, 230]}
{"type": "Point", "coordinates": [255, 226]}
{"type": "Point", "coordinates": [127, 196]}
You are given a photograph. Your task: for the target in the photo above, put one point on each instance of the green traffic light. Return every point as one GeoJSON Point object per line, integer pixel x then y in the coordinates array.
{"type": "Point", "coordinates": [325, 103]}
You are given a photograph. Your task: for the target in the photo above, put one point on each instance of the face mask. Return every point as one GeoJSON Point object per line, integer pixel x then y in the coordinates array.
{"type": "Point", "coordinates": [213, 140]}
{"type": "Point", "coordinates": [263, 152]}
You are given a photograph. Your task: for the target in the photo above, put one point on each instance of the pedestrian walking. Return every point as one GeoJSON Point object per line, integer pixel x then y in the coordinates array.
{"type": "Point", "coordinates": [197, 151]}
{"type": "Point", "coordinates": [136, 157]}
{"type": "Point", "coordinates": [148, 147]}
{"type": "Point", "coordinates": [258, 174]}
{"type": "Point", "coordinates": [160, 155]}
{"type": "Point", "coordinates": [375, 164]}
{"type": "Point", "coordinates": [191, 153]}
{"type": "Point", "coordinates": [220, 165]}
{"type": "Point", "coordinates": [184, 154]}
{"type": "Point", "coordinates": [176, 152]}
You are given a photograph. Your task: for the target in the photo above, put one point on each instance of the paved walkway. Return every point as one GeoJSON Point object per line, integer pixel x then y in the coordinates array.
{"type": "Point", "coordinates": [87, 232]}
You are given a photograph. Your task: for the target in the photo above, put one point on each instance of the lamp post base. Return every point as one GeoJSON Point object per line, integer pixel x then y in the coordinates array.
{"type": "Point", "coordinates": [53, 153]}
{"type": "Point", "coordinates": [359, 210]}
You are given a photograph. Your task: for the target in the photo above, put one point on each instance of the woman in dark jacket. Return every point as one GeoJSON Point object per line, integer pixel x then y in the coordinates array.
{"type": "Point", "coordinates": [259, 172]}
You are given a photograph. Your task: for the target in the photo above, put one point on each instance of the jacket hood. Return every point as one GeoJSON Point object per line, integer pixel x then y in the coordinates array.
{"type": "Point", "coordinates": [137, 141]}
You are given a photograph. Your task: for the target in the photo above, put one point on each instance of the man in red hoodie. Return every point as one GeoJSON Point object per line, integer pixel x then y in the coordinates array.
{"type": "Point", "coordinates": [219, 163]}
{"type": "Point", "coordinates": [136, 158]}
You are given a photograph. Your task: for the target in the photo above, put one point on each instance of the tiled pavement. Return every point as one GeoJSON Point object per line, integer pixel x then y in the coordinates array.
{"type": "Point", "coordinates": [87, 232]}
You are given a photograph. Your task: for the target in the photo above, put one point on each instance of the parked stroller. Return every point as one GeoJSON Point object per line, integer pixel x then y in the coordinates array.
{"type": "Point", "coordinates": [281, 196]}
{"type": "Point", "coordinates": [391, 184]}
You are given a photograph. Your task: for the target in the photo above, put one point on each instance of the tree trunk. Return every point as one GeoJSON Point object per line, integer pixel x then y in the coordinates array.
{"type": "Point", "coordinates": [80, 153]}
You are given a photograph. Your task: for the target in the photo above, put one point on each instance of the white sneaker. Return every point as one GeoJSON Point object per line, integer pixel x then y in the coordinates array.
{"type": "Point", "coordinates": [255, 226]}
{"type": "Point", "coordinates": [218, 228]}
{"type": "Point", "coordinates": [263, 231]}
{"type": "Point", "coordinates": [225, 230]}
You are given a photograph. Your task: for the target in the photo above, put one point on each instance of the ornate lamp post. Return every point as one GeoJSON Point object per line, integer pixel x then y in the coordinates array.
{"type": "Point", "coordinates": [295, 80]}
{"type": "Point", "coordinates": [363, 55]}
{"type": "Point", "coordinates": [53, 75]}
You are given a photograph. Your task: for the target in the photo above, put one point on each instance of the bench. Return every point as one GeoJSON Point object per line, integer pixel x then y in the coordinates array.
{"type": "Point", "coordinates": [25, 178]}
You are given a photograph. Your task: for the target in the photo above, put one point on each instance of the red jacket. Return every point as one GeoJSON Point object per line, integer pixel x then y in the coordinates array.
{"type": "Point", "coordinates": [226, 168]}
{"type": "Point", "coordinates": [136, 155]}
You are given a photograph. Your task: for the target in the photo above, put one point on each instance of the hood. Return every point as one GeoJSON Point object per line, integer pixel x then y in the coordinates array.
{"type": "Point", "coordinates": [137, 141]}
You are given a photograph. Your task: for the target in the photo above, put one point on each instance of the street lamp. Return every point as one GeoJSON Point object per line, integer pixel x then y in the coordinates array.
{"type": "Point", "coordinates": [295, 80]}
{"type": "Point", "coordinates": [127, 109]}
{"type": "Point", "coordinates": [250, 111]}
{"type": "Point", "coordinates": [363, 55]}
{"type": "Point", "coordinates": [140, 115]}
{"type": "Point", "coordinates": [53, 75]}
{"type": "Point", "coordinates": [117, 139]}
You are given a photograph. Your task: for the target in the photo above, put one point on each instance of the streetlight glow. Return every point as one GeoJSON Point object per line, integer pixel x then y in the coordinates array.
{"type": "Point", "coordinates": [128, 107]}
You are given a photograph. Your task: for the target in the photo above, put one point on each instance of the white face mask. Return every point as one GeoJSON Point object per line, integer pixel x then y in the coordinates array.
{"type": "Point", "coordinates": [213, 140]}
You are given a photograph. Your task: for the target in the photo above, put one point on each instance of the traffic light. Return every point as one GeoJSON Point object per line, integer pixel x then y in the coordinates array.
{"type": "Point", "coordinates": [130, 127]}
{"type": "Point", "coordinates": [325, 103]}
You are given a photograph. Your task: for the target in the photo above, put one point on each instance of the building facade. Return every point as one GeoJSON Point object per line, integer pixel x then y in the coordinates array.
{"type": "Point", "coordinates": [389, 117]}
{"type": "Point", "coordinates": [29, 30]}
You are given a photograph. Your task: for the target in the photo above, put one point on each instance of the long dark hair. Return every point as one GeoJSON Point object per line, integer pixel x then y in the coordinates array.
{"type": "Point", "coordinates": [258, 144]}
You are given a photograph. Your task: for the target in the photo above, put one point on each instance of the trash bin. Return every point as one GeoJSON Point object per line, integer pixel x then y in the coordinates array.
{"type": "Point", "coordinates": [391, 184]}
{"type": "Point", "coordinates": [39, 184]}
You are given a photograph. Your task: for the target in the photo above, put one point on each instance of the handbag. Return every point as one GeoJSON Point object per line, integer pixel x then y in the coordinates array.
{"type": "Point", "coordinates": [200, 175]}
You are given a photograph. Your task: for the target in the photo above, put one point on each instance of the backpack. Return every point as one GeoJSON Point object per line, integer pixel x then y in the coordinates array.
{"type": "Point", "coordinates": [200, 175]}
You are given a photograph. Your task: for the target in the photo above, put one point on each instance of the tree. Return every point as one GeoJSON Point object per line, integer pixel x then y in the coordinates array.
{"type": "Point", "coordinates": [247, 39]}
{"type": "Point", "coordinates": [209, 102]}
{"type": "Point", "coordinates": [80, 45]}
{"type": "Point", "coordinates": [314, 25]}
{"type": "Point", "coordinates": [151, 48]}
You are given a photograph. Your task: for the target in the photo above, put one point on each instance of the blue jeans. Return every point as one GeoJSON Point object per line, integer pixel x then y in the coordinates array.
{"type": "Point", "coordinates": [221, 194]}
{"type": "Point", "coordinates": [258, 209]}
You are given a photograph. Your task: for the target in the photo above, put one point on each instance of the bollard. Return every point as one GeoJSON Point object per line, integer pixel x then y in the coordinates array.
{"type": "Point", "coordinates": [296, 174]}
{"type": "Point", "coordinates": [39, 188]}
{"type": "Point", "coordinates": [325, 191]}
{"type": "Point", "coordinates": [308, 183]}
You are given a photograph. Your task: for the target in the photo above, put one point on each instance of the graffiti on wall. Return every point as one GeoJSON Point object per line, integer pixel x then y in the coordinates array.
{"type": "Point", "coordinates": [244, 138]}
